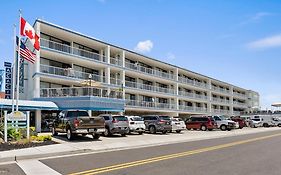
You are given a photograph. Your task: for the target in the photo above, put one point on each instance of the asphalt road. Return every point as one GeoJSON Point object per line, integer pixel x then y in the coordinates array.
{"type": "Point", "coordinates": [253, 154]}
{"type": "Point", "coordinates": [11, 169]}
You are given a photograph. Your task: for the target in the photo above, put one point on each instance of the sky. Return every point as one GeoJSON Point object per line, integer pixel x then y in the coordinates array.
{"type": "Point", "coordinates": [235, 41]}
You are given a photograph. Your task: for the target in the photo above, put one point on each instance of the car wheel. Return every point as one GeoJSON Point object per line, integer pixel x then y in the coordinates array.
{"type": "Point", "coordinates": [210, 129]}
{"type": "Point", "coordinates": [203, 128]}
{"type": "Point", "coordinates": [223, 127]}
{"type": "Point", "coordinates": [69, 134]}
{"type": "Point", "coordinates": [178, 131]}
{"type": "Point", "coordinates": [164, 132]}
{"type": "Point", "coordinates": [54, 132]}
{"type": "Point", "coordinates": [96, 136]}
{"type": "Point", "coordinates": [189, 129]}
{"type": "Point", "coordinates": [152, 130]}
{"type": "Point", "coordinates": [106, 132]}
{"type": "Point", "coordinates": [123, 135]}
{"type": "Point", "coordinates": [140, 133]}
{"type": "Point", "coordinates": [279, 125]}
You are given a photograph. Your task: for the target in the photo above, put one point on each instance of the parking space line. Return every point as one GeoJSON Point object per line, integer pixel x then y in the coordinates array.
{"type": "Point", "coordinates": [170, 156]}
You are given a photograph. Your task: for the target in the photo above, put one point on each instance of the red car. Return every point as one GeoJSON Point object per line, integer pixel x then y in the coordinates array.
{"type": "Point", "coordinates": [241, 122]}
{"type": "Point", "coordinates": [202, 123]}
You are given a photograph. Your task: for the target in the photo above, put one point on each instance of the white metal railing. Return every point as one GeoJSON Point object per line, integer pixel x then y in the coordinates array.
{"type": "Point", "coordinates": [220, 100]}
{"type": "Point", "coordinates": [149, 87]}
{"type": "Point", "coordinates": [115, 61]}
{"type": "Point", "coordinates": [186, 108]}
{"type": "Point", "coordinates": [192, 82]}
{"type": "Point", "coordinates": [80, 92]}
{"type": "Point", "coordinates": [69, 72]}
{"type": "Point", "coordinates": [220, 90]}
{"type": "Point", "coordinates": [115, 81]}
{"type": "Point", "coordinates": [239, 103]}
{"type": "Point", "coordinates": [192, 95]}
{"type": "Point", "coordinates": [72, 50]}
{"type": "Point", "coordinates": [148, 104]}
{"type": "Point", "coordinates": [220, 111]}
{"type": "Point", "coordinates": [149, 70]}
{"type": "Point", "coordinates": [239, 94]}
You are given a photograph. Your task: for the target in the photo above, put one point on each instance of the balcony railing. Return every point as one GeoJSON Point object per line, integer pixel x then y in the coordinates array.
{"type": "Point", "coordinates": [72, 50]}
{"type": "Point", "coordinates": [239, 103]}
{"type": "Point", "coordinates": [147, 104]}
{"type": "Point", "coordinates": [192, 95]}
{"type": "Point", "coordinates": [220, 100]}
{"type": "Point", "coordinates": [69, 72]}
{"type": "Point", "coordinates": [149, 70]}
{"type": "Point", "coordinates": [149, 87]}
{"type": "Point", "coordinates": [80, 92]}
{"type": "Point", "coordinates": [115, 61]}
{"type": "Point", "coordinates": [239, 94]}
{"type": "Point", "coordinates": [220, 111]}
{"type": "Point", "coordinates": [220, 90]}
{"type": "Point", "coordinates": [192, 82]}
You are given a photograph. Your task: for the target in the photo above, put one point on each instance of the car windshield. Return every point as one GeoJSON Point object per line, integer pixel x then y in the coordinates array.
{"type": "Point", "coordinates": [165, 118]}
{"type": "Point", "coordinates": [136, 119]}
{"type": "Point", "coordinates": [120, 118]}
{"type": "Point", "coordinates": [72, 114]}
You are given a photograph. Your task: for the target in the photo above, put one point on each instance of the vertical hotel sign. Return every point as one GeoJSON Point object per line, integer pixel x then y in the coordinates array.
{"type": "Point", "coordinates": [8, 80]}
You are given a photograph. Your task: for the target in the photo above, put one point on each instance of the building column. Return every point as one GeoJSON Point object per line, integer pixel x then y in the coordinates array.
{"type": "Point", "coordinates": [107, 75]}
{"type": "Point", "coordinates": [122, 57]}
{"type": "Point", "coordinates": [101, 53]}
{"type": "Point", "coordinates": [122, 74]}
{"type": "Point", "coordinates": [177, 74]}
{"type": "Point", "coordinates": [107, 54]}
{"type": "Point", "coordinates": [36, 90]}
{"type": "Point", "coordinates": [38, 119]}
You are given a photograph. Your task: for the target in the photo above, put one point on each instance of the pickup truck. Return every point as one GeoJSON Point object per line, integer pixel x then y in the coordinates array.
{"type": "Point", "coordinates": [73, 122]}
{"type": "Point", "coordinates": [225, 124]}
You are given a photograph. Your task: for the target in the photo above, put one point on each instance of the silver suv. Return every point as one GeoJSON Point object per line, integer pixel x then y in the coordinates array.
{"type": "Point", "coordinates": [156, 123]}
{"type": "Point", "coordinates": [115, 124]}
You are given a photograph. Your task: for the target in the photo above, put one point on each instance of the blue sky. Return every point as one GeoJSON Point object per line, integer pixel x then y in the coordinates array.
{"type": "Point", "coordinates": [236, 41]}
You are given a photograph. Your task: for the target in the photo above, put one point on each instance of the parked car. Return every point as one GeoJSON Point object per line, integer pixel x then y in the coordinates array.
{"type": "Point", "coordinates": [156, 123]}
{"type": "Point", "coordinates": [77, 122]}
{"type": "Point", "coordinates": [203, 123]}
{"type": "Point", "coordinates": [136, 124]}
{"type": "Point", "coordinates": [224, 123]}
{"type": "Point", "coordinates": [240, 121]}
{"type": "Point", "coordinates": [178, 125]}
{"type": "Point", "coordinates": [256, 122]}
{"type": "Point", "coordinates": [115, 124]}
{"type": "Point", "coordinates": [277, 121]}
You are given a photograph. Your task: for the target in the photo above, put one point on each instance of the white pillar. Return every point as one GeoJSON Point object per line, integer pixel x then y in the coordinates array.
{"type": "Point", "coordinates": [122, 57]}
{"type": "Point", "coordinates": [177, 74]}
{"type": "Point", "coordinates": [123, 82]}
{"type": "Point", "coordinates": [107, 75]}
{"type": "Point", "coordinates": [36, 90]}
{"type": "Point", "coordinates": [38, 119]}
{"type": "Point", "coordinates": [107, 54]}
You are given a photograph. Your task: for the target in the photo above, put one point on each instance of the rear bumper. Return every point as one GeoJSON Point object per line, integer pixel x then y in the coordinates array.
{"type": "Point", "coordinates": [164, 128]}
{"type": "Point", "coordinates": [120, 130]}
{"type": "Point", "coordinates": [177, 128]}
{"type": "Point", "coordinates": [89, 131]}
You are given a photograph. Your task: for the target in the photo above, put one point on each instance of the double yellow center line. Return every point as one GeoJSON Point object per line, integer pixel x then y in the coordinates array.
{"type": "Point", "coordinates": [170, 156]}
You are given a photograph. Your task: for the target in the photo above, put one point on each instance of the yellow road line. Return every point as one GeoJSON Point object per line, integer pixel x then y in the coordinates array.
{"type": "Point", "coordinates": [170, 156]}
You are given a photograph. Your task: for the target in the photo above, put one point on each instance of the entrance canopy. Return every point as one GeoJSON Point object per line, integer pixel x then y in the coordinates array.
{"type": "Point", "coordinates": [28, 105]}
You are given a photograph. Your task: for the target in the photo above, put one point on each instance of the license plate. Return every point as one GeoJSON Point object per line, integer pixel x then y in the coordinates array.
{"type": "Point", "coordinates": [101, 130]}
{"type": "Point", "coordinates": [91, 130]}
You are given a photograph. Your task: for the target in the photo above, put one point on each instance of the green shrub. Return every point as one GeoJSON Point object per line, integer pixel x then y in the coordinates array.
{"type": "Point", "coordinates": [42, 138]}
{"type": "Point", "coordinates": [13, 134]}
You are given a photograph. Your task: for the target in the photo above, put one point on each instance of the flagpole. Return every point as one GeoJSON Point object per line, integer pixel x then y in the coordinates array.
{"type": "Point", "coordinates": [14, 70]}
{"type": "Point", "coordinates": [18, 66]}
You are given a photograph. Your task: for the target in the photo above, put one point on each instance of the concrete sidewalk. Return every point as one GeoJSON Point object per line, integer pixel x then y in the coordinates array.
{"type": "Point", "coordinates": [84, 145]}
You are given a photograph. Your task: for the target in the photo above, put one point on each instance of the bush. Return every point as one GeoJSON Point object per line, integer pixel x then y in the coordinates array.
{"type": "Point", "coordinates": [41, 138]}
{"type": "Point", "coordinates": [13, 134]}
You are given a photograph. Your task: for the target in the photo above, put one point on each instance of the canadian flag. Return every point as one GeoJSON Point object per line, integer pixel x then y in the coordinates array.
{"type": "Point", "coordinates": [28, 31]}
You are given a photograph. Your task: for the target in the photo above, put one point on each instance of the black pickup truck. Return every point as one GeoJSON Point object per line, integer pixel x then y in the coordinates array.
{"type": "Point", "coordinates": [77, 122]}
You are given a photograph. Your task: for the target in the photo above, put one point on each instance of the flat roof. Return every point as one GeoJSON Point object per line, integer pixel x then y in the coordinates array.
{"type": "Point", "coordinates": [95, 39]}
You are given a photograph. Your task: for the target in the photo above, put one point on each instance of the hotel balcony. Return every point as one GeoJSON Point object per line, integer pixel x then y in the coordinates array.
{"type": "Point", "coordinates": [192, 95]}
{"type": "Point", "coordinates": [80, 92]}
{"type": "Point", "coordinates": [217, 89]}
{"type": "Point", "coordinates": [149, 71]}
{"type": "Point", "coordinates": [192, 82]}
{"type": "Point", "coordinates": [192, 109]}
{"type": "Point", "coordinates": [239, 95]}
{"type": "Point", "coordinates": [149, 87]}
{"type": "Point", "coordinates": [152, 105]}
{"type": "Point", "coordinates": [221, 111]}
{"type": "Point", "coordinates": [219, 100]}
{"type": "Point", "coordinates": [236, 103]}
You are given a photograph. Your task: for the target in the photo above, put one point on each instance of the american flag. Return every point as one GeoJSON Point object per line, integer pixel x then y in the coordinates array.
{"type": "Point", "coordinates": [26, 53]}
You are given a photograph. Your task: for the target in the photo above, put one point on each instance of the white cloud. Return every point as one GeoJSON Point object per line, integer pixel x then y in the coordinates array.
{"type": "Point", "coordinates": [144, 46]}
{"type": "Point", "coordinates": [264, 43]}
{"type": "Point", "coordinates": [171, 56]}
{"type": "Point", "coordinates": [260, 15]}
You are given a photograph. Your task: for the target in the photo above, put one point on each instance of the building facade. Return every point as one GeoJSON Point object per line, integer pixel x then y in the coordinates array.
{"type": "Point", "coordinates": [71, 66]}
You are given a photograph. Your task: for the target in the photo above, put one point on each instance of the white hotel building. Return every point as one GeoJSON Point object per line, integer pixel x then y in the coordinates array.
{"type": "Point", "coordinates": [120, 76]}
